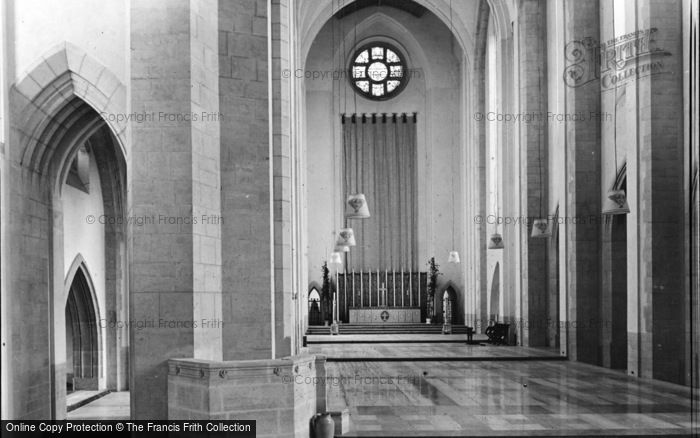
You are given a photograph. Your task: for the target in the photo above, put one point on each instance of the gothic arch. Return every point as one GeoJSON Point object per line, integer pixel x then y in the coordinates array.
{"type": "Point", "coordinates": [313, 18]}
{"type": "Point", "coordinates": [314, 285]}
{"type": "Point", "coordinates": [82, 328]}
{"type": "Point", "coordinates": [409, 45]}
{"type": "Point", "coordinates": [79, 264]}
{"type": "Point", "coordinates": [65, 99]}
{"type": "Point", "coordinates": [55, 95]}
{"type": "Point", "coordinates": [452, 290]}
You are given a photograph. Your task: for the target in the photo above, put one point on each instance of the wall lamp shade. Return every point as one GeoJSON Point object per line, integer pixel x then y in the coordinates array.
{"type": "Point", "coordinates": [356, 207]}
{"type": "Point", "coordinates": [540, 229]}
{"type": "Point", "coordinates": [453, 257]}
{"type": "Point", "coordinates": [342, 249]}
{"type": "Point", "coordinates": [346, 237]}
{"type": "Point", "coordinates": [336, 259]}
{"type": "Point", "coordinates": [616, 203]}
{"type": "Point", "coordinates": [496, 241]}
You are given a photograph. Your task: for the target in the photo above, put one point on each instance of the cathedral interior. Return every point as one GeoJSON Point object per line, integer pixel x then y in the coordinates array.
{"type": "Point", "coordinates": [421, 217]}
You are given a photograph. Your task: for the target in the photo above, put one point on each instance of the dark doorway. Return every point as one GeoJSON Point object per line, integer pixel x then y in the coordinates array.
{"type": "Point", "coordinates": [315, 308]}
{"type": "Point", "coordinates": [618, 243]}
{"type": "Point", "coordinates": [495, 301]}
{"type": "Point", "coordinates": [82, 343]}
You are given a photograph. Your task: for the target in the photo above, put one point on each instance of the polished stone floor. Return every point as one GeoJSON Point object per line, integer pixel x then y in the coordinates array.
{"type": "Point", "coordinates": [113, 406]}
{"type": "Point", "coordinates": [503, 398]}
{"type": "Point", "coordinates": [393, 338]}
{"type": "Point", "coordinates": [493, 391]}
{"type": "Point", "coordinates": [429, 351]}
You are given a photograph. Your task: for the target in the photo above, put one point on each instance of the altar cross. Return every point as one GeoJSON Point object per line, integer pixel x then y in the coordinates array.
{"type": "Point", "coordinates": [382, 294]}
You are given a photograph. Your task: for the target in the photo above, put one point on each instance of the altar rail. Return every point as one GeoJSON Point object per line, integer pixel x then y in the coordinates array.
{"type": "Point", "coordinates": [398, 289]}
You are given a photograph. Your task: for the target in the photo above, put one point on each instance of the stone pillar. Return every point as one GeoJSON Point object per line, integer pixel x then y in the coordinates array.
{"type": "Point", "coordinates": [581, 29]}
{"type": "Point", "coordinates": [246, 179]}
{"type": "Point", "coordinates": [658, 337]}
{"type": "Point", "coordinates": [256, 178]}
{"type": "Point", "coordinates": [284, 153]}
{"type": "Point", "coordinates": [532, 67]}
{"type": "Point", "coordinates": [508, 187]}
{"type": "Point", "coordinates": [175, 263]}
{"type": "Point", "coordinates": [475, 174]}
{"type": "Point", "coordinates": [693, 115]}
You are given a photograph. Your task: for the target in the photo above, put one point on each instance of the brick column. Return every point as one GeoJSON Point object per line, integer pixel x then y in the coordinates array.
{"type": "Point", "coordinates": [175, 263]}
{"type": "Point", "coordinates": [583, 186]}
{"type": "Point", "coordinates": [532, 67]}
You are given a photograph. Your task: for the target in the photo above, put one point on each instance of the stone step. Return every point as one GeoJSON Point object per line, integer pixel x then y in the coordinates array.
{"type": "Point", "coordinates": [359, 329]}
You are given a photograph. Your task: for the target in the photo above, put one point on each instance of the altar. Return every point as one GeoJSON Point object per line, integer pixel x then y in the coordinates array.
{"type": "Point", "coordinates": [384, 315]}
{"type": "Point", "coordinates": [381, 297]}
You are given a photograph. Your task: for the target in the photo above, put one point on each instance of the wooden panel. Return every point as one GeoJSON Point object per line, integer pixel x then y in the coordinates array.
{"type": "Point", "coordinates": [388, 315]}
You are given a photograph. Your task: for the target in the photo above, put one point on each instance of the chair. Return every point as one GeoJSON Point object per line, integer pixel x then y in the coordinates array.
{"type": "Point", "coordinates": [498, 333]}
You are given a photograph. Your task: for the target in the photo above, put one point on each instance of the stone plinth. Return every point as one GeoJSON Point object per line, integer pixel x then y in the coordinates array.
{"type": "Point", "coordinates": [341, 419]}
{"type": "Point", "coordinates": [281, 395]}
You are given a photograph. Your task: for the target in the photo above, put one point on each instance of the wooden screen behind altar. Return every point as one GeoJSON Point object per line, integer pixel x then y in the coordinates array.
{"type": "Point", "coordinates": [379, 160]}
{"type": "Point", "coordinates": [381, 289]}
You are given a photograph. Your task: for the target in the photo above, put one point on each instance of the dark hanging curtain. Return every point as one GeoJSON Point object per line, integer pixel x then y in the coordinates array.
{"type": "Point", "coordinates": [379, 156]}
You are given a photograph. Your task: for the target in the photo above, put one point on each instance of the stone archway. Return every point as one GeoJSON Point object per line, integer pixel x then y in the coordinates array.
{"type": "Point", "coordinates": [83, 347]}
{"type": "Point", "coordinates": [448, 294]}
{"type": "Point", "coordinates": [314, 306]}
{"type": "Point", "coordinates": [61, 103]}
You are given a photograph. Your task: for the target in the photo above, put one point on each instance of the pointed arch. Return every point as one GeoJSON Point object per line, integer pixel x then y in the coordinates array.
{"type": "Point", "coordinates": [80, 267]}
{"type": "Point", "coordinates": [313, 18]}
{"type": "Point", "coordinates": [410, 47]}
{"type": "Point", "coordinates": [83, 337]}
{"type": "Point", "coordinates": [314, 285]}
{"type": "Point", "coordinates": [452, 292]}
{"type": "Point", "coordinates": [64, 89]}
